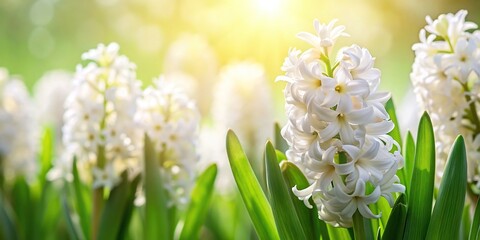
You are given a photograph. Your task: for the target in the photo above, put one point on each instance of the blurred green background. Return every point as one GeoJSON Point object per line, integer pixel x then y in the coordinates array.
{"type": "Point", "coordinates": [41, 35]}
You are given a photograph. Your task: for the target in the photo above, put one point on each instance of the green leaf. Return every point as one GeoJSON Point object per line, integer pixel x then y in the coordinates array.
{"type": "Point", "coordinates": [381, 206]}
{"type": "Point", "coordinates": [280, 142]}
{"type": "Point", "coordinates": [396, 222]}
{"type": "Point", "coordinates": [409, 155]}
{"type": "Point", "coordinates": [156, 220]}
{"type": "Point", "coordinates": [80, 202]}
{"type": "Point", "coordinates": [74, 230]}
{"type": "Point", "coordinates": [250, 190]}
{"type": "Point", "coordinates": [21, 203]}
{"type": "Point", "coordinates": [47, 153]}
{"type": "Point", "coordinates": [288, 224]}
{"type": "Point", "coordinates": [199, 203]}
{"type": "Point", "coordinates": [7, 225]}
{"type": "Point", "coordinates": [421, 190]}
{"type": "Point", "coordinates": [466, 222]}
{"type": "Point", "coordinates": [280, 156]}
{"type": "Point", "coordinates": [313, 227]}
{"type": "Point", "coordinates": [475, 229]}
{"type": "Point", "coordinates": [119, 201]}
{"type": "Point", "coordinates": [395, 133]}
{"type": "Point", "coordinates": [447, 213]}
{"type": "Point", "coordinates": [338, 233]}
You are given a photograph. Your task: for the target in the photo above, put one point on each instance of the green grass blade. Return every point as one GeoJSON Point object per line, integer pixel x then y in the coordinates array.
{"type": "Point", "coordinates": [280, 142]}
{"type": "Point", "coordinates": [199, 204]}
{"type": "Point", "coordinates": [475, 229]}
{"type": "Point", "coordinates": [288, 224]}
{"type": "Point", "coordinates": [156, 220]}
{"type": "Point", "coordinates": [250, 190]}
{"type": "Point", "coordinates": [421, 191]}
{"type": "Point", "coordinates": [409, 156]}
{"type": "Point", "coordinates": [312, 225]}
{"type": "Point", "coordinates": [447, 213]}
{"type": "Point", "coordinates": [113, 214]}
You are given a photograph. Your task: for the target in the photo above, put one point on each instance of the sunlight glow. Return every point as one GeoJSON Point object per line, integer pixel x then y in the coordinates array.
{"type": "Point", "coordinates": [269, 7]}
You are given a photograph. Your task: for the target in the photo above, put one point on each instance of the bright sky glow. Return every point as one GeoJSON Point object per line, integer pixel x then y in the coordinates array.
{"type": "Point", "coordinates": [269, 7]}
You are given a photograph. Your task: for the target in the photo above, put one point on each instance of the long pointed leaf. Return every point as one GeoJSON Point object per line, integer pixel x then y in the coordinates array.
{"type": "Point", "coordinates": [199, 204]}
{"type": "Point", "coordinates": [447, 213]}
{"type": "Point", "coordinates": [338, 233]}
{"type": "Point", "coordinates": [280, 142]}
{"type": "Point", "coordinates": [156, 220]}
{"type": "Point", "coordinates": [395, 134]}
{"type": "Point", "coordinates": [7, 225]}
{"type": "Point", "coordinates": [420, 197]}
{"type": "Point", "coordinates": [80, 202]}
{"type": "Point", "coordinates": [409, 155]}
{"type": "Point", "coordinates": [250, 190]}
{"type": "Point", "coordinates": [119, 200]}
{"type": "Point", "coordinates": [475, 229]}
{"type": "Point", "coordinates": [396, 223]}
{"type": "Point", "coordinates": [74, 230]}
{"type": "Point", "coordinates": [312, 225]}
{"type": "Point", "coordinates": [283, 210]}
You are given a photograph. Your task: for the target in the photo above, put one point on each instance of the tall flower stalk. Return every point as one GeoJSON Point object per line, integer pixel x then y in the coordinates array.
{"type": "Point", "coordinates": [99, 129]}
{"type": "Point", "coordinates": [337, 128]}
{"type": "Point", "coordinates": [445, 76]}
{"type": "Point", "coordinates": [170, 119]}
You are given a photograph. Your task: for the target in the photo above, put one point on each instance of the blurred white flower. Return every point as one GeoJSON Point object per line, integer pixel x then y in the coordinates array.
{"type": "Point", "coordinates": [50, 93]}
{"type": "Point", "coordinates": [445, 80]}
{"type": "Point", "coordinates": [337, 128]}
{"type": "Point", "coordinates": [99, 129]}
{"type": "Point", "coordinates": [243, 102]}
{"type": "Point", "coordinates": [170, 118]}
{"type": "Point", "coordinates": [18, 133]}
{"type": "Point", "coordinates": [192, 55]}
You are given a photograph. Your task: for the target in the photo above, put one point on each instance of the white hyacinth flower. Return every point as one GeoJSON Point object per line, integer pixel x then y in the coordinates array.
{"type": "Point", "coordinates": [98, 121]}
{"type": "Point", "coordinates": [337, 128]}
{"type": "Point", "coordinates": [243, 101]}
{"type": "Point", "coordinates": [50, 93]}
{"type": "Point", "coordinates": [170, 118]}
{"type": "Point", "coordinates": [445, 79]}
{"type": "Point", "coordinates": [18, 135]}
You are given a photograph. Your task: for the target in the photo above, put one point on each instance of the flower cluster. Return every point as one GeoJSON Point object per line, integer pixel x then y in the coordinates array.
{"type": "Point", "coordinates": [337, 127]}
{"type": "Point", "coordinates": [170, 119]}
{"type": "Point", "coordinates": [445, 78]}
{"type": "Point", "coordinates": [98, 121]}
{"type": "Point", "coordinates": [17, 129]}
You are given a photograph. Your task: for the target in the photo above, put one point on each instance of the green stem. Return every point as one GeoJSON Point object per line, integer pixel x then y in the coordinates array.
{"type": "Point", "coordinates": [98, 203]}
{"type": "Point", "coordinates": [98, 200]}
{"type": "Point", "coordinates": [358, 227]}
{"type": "Point", "coordinates": [328, 65]}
